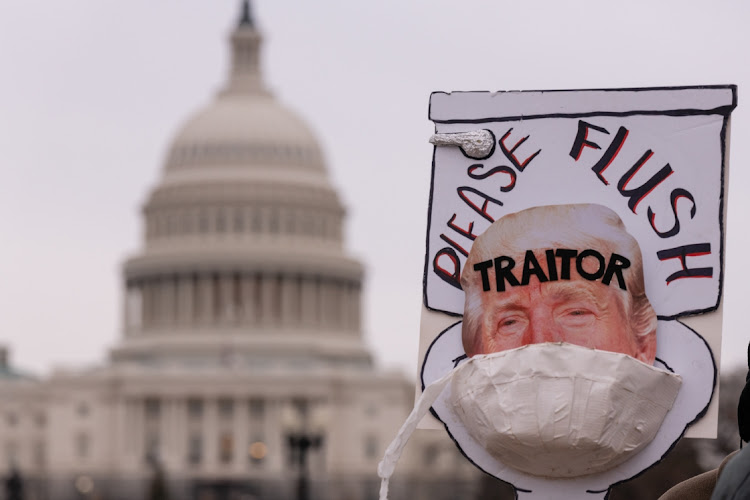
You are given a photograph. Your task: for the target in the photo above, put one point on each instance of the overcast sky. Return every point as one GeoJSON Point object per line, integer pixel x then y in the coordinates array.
{"type": "Point", "coordinates": [92, 91]}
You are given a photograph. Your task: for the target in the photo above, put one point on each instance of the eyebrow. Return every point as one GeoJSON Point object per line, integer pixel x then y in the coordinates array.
{"type": "Point", "coordinates": [574, 291]}
{"type": "Point", "coordinates": [514, 304]}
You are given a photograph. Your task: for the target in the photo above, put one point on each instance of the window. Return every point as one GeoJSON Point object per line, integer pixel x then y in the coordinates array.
{"type": "Point", "coordinates": [258, 296]}
{"type": "Point", "coordinates": [39, 454]}
{"type": "Point", "coordinates": [273, 226]}
{"type": "Point", "coordinates": [257, 408]}
{"type": "Point", "coordinates": [290, 222]}
{"type": "Point", "coordinates": [257, 220]}
{"type": "Point", "coordinates": [171, 224]}
{"type": "Point", "coordinates": [40, 419]}
{"type": "Point", "coordinates": [238, 220]}
{"type": "Point", "coordinates": [226, 408]}
{"type": "Point", "coordinates": [195, 408]}
{"type": "Point", "coordinates": [276, 298]}
{"type": "Point", "coordinates": [153, 408]}
{"type": "Point", "coordinates": [216, 293]}
{"type": "Point", "coordinates": [430, 455]}
{"type": "Point", "coordinates": [371, 410]}
{"type": "Point", "coordinates": [11, 453]}
{"type": "Point", "coordinates": [195, 449]}
{"type": "Point", "coordinates": [151, 448]}
{"type": "Point", "coordinates": [186, 226]}
{"type": "Point", "coordinates": [371, 446]}
{"type": "Point", "coordinates": [221, 221]}
{"type": "Point", "coordinates": [237, 292]}
{"type": "Point", "coordinates": [134, 306]}
{"type": "Point", "coordinates": [203, 221]}
{"type": "Point", "coordinates": [82, 409]}
{"type": "Point", "coordinates": [226, 447]}
{"type": "Point", "coordinates": [82, 445]}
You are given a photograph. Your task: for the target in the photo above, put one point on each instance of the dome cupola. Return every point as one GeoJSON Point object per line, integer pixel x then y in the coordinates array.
{"type": "Point", "coordinates": [243, 250]}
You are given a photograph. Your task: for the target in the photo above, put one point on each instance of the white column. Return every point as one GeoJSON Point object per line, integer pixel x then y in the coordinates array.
{"type": "Point", "coordinates": [258, 280]}
{"type": "Point", "coordinates": [139, 433]}
{"type": "Point", "coordinates": [288, 300]}
{"type": "Point", "coordinates": [247, 285]}
{"type": "Point", "coordinates": [227, 309]}
{"type": "Point", "coordinates": [298, 304]}
{"type": "Point", "coordinates": [331, 304]}
{"type": "Point", "coordinates": [334, 305]}
{"type": "Point", "coordinates": [357, 306]}
{"type": "Point", "coordinates": [273, 433]}
{"type": "Point", "coordinates": [277, 299]}
{"type": "Point", "coordinates": [185, 303]}
{"type": "Point", "coordinates": [198, 300]}
{"type": "Point", "coordinates": [181, 432]}
{"type": "Point", "coordinates": [267, 286]}
{"type": "Point", "coordinates": [323, 303]}
{"type": "Point", "coordinates": [337, 311]}
{"type": "Point", "coordinates": [169, 430]}
{"type": "Point", "coordinates": [119, 453]}
{"type": "Point", "coordinates": [349, 306]}
{"type": "Point", "coordinates": [237, 298]}
{"type": "Point", "coordinates": [165, 430]}
{"type": "Point", "coordinates": [254, 223]}
{"type": "Point", "coordinates": [210, 434]}
{"type": "Point", "coordinates": [169, 296]}
{"type": "Point", "coordinates": [156, 301]}
{"type": "Point", "coordinates": [133, 308]}
{"type": "Point", "coordinates": [147, 303]}
{"type": "Point", "coordinates": [206, 298]}
{"type": "Point", "coordinates": [127, 318]}
{"type": "Point", "coordinates": [240, 432]}
{"type": "Point", "coordinates": [212, 213]}
{"type": "Point", "coordinates": [339, 229]}
{"type": "Point", "coordinates": [309, 301]}
{"type": "Point", "coordinates": [130, 424]}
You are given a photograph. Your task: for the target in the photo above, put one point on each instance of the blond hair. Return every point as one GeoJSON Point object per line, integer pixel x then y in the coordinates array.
{"type": "Point", "coordinates": [558, 226]}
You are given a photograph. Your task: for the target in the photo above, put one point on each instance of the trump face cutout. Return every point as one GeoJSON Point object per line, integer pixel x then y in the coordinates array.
{"type": "Point", "coordinates": [566, 273]}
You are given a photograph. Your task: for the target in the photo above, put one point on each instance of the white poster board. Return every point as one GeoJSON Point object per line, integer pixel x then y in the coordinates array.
{"type": "Point", "coordinates": [657, 157]}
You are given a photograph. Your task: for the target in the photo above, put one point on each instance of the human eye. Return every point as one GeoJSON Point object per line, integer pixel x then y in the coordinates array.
{"type": "Point", "coordinates": [577, 316]}
{"type": "Point", "coordinates": [511, 324]}
{"type": "Point", "coordinates": [579, 312]}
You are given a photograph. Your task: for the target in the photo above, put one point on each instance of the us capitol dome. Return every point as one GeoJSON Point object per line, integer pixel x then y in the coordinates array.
{"type": "Point", "coordinates": [243, 255]}
{"type": "Point", "coordinates": [241, 372]}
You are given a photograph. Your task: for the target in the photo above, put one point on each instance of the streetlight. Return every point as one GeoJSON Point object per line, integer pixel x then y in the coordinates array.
{"type": "Point", "coordinates": [305, 433]}
{"type": "Point", "coordinates": [157, 489]}
{"type": "Point", "coordinates": [14, 485]}
{"type": "Point", "coordinates": [84, 485]}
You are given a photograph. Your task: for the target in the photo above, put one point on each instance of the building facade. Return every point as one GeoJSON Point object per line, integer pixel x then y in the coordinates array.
{"type": "Point", "coordinates": [241, 372]}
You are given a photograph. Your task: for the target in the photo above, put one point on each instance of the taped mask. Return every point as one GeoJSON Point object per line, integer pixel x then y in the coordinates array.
{"type": "Point", "coordinates": [533, 408]}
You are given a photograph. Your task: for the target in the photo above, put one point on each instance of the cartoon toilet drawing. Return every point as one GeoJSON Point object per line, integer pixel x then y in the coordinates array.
{"type": "Point", "coordinates": [573, 277]}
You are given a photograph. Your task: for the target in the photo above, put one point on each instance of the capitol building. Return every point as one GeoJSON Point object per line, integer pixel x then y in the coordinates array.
{"type": "Point", "coordinates": [241, 372]}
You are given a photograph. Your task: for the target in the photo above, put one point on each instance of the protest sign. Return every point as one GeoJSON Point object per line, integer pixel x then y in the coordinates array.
{"type": "Point", "coordinates": [567, 181]}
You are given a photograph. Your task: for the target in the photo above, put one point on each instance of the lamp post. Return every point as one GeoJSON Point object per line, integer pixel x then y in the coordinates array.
{"type": "Point", "coordinates": [14, 485]}
{"type": "Point", "coordinates": [304, 434]}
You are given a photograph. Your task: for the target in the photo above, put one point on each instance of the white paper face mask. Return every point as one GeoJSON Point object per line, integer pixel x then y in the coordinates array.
{"type": "Point", "coordinates": [561, 410]}
{"type": "Point", "coordinates": [553, 410]}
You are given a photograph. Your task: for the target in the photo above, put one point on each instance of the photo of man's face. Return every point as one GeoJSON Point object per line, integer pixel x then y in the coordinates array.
{"type": "Point", "coordinates": [566, 273]}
